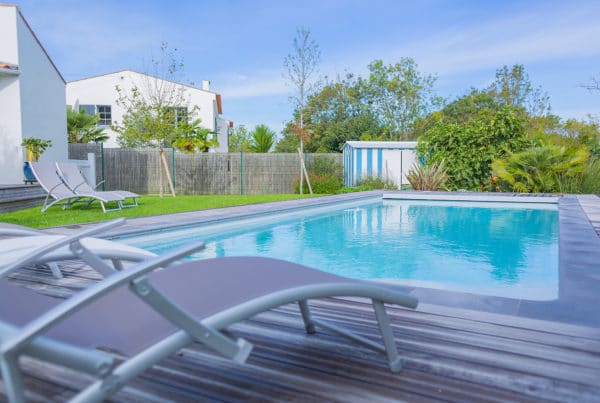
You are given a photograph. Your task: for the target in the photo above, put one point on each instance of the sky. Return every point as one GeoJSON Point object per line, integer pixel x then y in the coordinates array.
{"type": "Point", "coordinates": [240, 45]}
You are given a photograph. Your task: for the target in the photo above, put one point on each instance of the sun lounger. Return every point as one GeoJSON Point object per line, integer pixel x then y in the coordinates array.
{"type": "Point", "coordinates": [48, 178]}
{"type": "Point", "coordinates": [36, 247]}
{"type": "Point", "coordinates": [146, 315]}
{"type": "Point", "coordinates": [74, 179]}
{"type": "Point", "coordinates": [13, 230]}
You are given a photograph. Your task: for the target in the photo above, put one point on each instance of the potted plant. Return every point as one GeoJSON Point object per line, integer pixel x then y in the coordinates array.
{"type": "Point", "coordinates": [34, 147]}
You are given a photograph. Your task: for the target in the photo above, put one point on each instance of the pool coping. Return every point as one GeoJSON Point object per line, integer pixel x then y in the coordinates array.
{"type": "Point", "coordinates": [579, 249]}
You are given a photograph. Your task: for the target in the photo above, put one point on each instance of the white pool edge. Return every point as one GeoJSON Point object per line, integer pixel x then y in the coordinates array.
{"type": "Point", "coordinates": [469, 197]}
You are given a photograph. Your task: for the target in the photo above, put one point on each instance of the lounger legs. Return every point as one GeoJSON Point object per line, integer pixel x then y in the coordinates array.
{"type": "Point", "coordinates": [308, 323]}
{"type": "Point", "coordinates": [387, 336]}
{"type": "Point", "coordinates": [389, 343]}
{"type": "Point", "coordinates": [11, 376]}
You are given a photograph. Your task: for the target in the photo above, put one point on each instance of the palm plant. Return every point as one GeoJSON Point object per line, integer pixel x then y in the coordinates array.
{"type": "Point", "coordinates": [82, 128]}
{"type": "Point", "coordinates": [542, 169]}
{"type": "Point", "coordinates": [427, 177]}
{"type": "Point", "coordinates": [262, 139]}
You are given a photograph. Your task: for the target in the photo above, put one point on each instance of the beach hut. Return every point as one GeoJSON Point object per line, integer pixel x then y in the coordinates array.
{"type": "Point", "coordinates": [388, 160]}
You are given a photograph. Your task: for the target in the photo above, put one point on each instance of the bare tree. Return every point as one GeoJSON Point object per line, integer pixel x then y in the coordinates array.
{"type": "Point", "coordinates": [301, 65]}
{"type": "Point", "coordinates": [592, 85]}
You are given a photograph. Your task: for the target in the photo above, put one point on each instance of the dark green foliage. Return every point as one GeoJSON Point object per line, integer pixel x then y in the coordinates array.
{"type": "Point", "coordinates": [324, 166]}
{"type": "Point", "coordinates": [321, 184]}
{"type": "Point", "coordinates": [469, 149]}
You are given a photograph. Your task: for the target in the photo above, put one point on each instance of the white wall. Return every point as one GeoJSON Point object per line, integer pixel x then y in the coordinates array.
{"type": "Point", "coordinates": [11, 161]}
{"type": "Point", "coordinates": [101, 91]}
{"type": "Point", "coordinates": [32, 102]}
{"type": "Point", "coordinates": [222, 135]}
{"type": "Point", "coordinates": [43, 112]}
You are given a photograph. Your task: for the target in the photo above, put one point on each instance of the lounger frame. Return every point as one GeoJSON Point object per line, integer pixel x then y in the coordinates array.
{"type": "Point", "coordinates": [29, 339]}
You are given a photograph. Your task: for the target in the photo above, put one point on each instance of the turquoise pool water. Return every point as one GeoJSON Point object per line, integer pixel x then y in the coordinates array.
{"type": "Point", "coordinates": [508, 250]}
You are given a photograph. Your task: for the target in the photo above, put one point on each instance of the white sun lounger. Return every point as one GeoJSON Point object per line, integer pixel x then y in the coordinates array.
{"type": "Point", "coordinates": [49, 179]}
{"type": "Point", "coordinates": [147, 315]}
{"type": "Point", "coordinates": [74, 179]}
{"type": "Point", "coordinates": [36, 247]}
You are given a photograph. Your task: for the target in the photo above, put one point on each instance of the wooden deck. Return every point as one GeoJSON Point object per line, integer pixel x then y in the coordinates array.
{"type": "Point", "coordinates": [450, 355]}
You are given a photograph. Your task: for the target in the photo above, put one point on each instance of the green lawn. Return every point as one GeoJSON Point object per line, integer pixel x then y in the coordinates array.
{"type": "Point", "coordinates": [149, 205]}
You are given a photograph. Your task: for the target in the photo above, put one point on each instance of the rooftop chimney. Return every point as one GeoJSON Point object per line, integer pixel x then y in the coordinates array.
{"type": "Point", "coordinates": [206, 85]}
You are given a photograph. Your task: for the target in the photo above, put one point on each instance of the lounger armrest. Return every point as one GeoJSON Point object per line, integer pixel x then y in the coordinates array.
{"type": "Point", "coordinates": [99, 184]}
{"type": "Point", "coordinates": [79, 184]}
{"type": "Point", "coordinates": [38, 326]}
{"type": "Point", "coordinates": [55, 186]}
{"type": "Point", "coordinates": [69, 239]}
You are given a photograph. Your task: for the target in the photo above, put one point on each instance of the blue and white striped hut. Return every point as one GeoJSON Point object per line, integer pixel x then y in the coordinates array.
{"type": "Point", "coordinates": [388, 160]}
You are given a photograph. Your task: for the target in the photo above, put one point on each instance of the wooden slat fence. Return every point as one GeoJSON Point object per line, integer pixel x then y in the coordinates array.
{"type": "Point", "coordinates": [136, 170]}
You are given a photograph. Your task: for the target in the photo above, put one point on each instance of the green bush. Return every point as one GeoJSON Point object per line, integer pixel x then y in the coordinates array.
{"type": "Point", "coordinates": [325, 166]}
{"type": "Point", "coordinates": [373, 183]}
{"type": "Point", "coordinates": [468, 149]}
{"type": "Point", "coordinates": [321, 184]}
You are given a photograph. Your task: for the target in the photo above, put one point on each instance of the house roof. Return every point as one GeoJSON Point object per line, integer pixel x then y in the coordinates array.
{"type": "Point", "coordinates": [145, 74]}
{"type": "Point", "coordinates": [403, 145]}
{"type": "Point", "coordinates": [36, 39]}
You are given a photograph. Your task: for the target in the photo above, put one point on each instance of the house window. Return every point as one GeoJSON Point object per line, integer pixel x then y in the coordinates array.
{"type": "Point", "coordinates": [178, 114]}
{"type": "Point", "coordinates": [103, 111]}
{"type": "Point", "coordinates": [105, 115]}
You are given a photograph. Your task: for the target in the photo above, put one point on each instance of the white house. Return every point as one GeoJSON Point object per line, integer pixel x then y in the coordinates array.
{"type": "Point", "coordinates": [98, 95]}
{"type": "Point", "coordinates": [32, 96]}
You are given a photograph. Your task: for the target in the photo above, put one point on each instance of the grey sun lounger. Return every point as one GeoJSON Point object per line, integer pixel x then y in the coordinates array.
{"type": "Point", "coordinates": [57, 193]}
{"type": "Point", "coordinates": [145, 315]}
{"type": "Point", "coordinates": [37, 247]}
{"type": "Point", "coordinates": [74, 179]}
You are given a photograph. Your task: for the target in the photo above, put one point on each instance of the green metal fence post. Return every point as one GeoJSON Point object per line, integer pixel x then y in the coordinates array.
{"type": "Point", "coordinates": [102, 163]}
{"type": "Point", "coordinates": [241, 173]}
{"type": "Point", "coordinates": [173, 168]}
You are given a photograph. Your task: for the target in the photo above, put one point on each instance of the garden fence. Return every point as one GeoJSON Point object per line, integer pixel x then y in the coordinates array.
{"type": "Point", "coordinates": [137, 170]}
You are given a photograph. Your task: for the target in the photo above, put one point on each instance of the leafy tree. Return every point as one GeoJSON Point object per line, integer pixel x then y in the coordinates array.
{"type": "Point", "coordinates": [399, 95]}
{"type": "Point", "coordinates": [239, 140]}
{"type": "Point", "coordinates": [467, 150]}
{"type": "Point", "coordinates": [512, 87]}
{"type": "Point", "coordinates": [156, 112]}
{"type": "Point", "coordinates": [262, 139]}
{"type": "Point", "coordinates": [301, 65]}
{"type": "Point", "coordinates": [82, 128]}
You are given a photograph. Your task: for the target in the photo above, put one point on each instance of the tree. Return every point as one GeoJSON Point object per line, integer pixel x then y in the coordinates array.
{"type": "Point", "coordinates": [262, 139]}
{"type": "Point", "coordinates": [194, 138]}
{"type": "Point", "coordinates": [82, 127]}
{"type": "Point", "coordinates": [399, 95]}
{"type": "Point", "coordinates": [301, 65]}
{"type": "Point", "coordinates": [156, 112]}
{"type": "Point", "coordinates": [512, 87]}
{"type": "Point", "coordinates": [239, 140]}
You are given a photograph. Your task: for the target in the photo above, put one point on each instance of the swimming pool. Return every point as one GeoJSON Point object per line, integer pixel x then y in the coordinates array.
{"type": "Point", "coordinates": [501, 249]}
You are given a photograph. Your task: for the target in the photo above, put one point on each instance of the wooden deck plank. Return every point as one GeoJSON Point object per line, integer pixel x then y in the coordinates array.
{"type": "Point", "coordinates": [449, 355]}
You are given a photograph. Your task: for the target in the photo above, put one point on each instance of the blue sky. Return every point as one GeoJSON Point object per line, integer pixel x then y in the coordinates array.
{"type": "Point", "coordinates": [240, 45]}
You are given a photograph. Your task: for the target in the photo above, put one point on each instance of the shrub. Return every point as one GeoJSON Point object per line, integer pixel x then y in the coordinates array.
{"type": "Point", "coordinates": [427, 177]}
{"type": "Point", "coordinates": [372, 183]}
{"type": "Point", "coordinates": [324, 166]}
{"type": "Point", "coordinates": [543, 169]}
{"type": "Point", "coordinates": [321, 184]}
